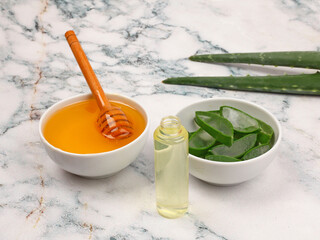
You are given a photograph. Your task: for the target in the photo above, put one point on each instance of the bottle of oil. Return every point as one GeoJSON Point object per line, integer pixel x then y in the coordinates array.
{"type": "Point", "coordinates": [171, 167]}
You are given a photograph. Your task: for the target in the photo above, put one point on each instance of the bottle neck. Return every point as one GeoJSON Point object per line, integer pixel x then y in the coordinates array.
{"type": "Point", "coordinates": [170, 126]}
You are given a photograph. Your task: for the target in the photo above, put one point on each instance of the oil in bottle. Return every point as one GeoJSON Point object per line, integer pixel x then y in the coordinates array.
{"type": "Point", "coordinates": [171, 168]}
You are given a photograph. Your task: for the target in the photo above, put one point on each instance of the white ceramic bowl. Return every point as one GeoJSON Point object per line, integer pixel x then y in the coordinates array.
{"type": "Point", "coordinates": [97, 165]}
{"type": "Point", "coordinates": [230, 173]}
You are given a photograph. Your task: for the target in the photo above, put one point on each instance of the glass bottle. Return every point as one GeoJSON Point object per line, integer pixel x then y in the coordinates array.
{"type": "Point", "coordinates": [171, 167]}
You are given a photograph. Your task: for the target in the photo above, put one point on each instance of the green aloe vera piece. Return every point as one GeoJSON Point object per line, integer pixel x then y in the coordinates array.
{"type": "Point", "coordinates": [218, 127]}
{"type": "Point", "coordinates": [302, 59]}
{"type": "Point", "coordinates": [238, 148]}
{"type": "Point", "coordinates": [222, 158]}
{"type": "Point", "coordinates": [256, 151]}
{"type": "Point", "coordinates": [216, 112]}
{"type": "Point", "coordinates": [208, 154]}
{"type": "Point", "coordinates": [190, 134]}
{"type": "Point", "coordinates": [265, 134]}
{"type": "Point", "coordinates": [200, 142]}
{"type": "Point", "coordinates": [241, 122]}
{"type": "Point", "coordinates": [238, 135]}
{"type": "Point", "coordinates": [302, 84]}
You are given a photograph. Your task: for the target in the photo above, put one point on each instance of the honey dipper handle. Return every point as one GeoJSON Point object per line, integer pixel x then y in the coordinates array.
{"type": "Point", "coordinates": [87, 70]}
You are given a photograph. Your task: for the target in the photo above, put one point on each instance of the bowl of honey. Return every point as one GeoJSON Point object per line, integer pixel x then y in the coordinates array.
{"type": "Point", "coordinates": [72, 139]}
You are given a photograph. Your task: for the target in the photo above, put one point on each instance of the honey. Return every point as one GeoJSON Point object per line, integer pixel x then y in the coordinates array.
{"type": "Point", "coordinates": [74, 128]}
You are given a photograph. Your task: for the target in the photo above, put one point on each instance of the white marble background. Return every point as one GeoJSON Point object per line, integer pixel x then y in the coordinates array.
{"type": "Point", "coordinates": [133, 45]}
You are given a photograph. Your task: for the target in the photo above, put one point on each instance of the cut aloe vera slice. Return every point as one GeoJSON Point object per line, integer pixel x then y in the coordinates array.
{"type": "Point", "coordinates": [242, 122]}
{"type": "Point", "coordinates": [256, 151]}
{"type": "Point", "coordinates": [209, 153]}
{"type": "Point", "coordinates": [238, 148]}
{"type": "Point", "coordinates": [218, 127]}
{"type": "Point", "coordinates": [200, 142]}
{"type": "Point", "coordinates": [190, 134]}
{"type": "Point", "coordinates": [222, 158]}
{"type": "Point", "coordinates": [215, 112]}
{"type": "Point", "coordinates": [265, 134]}
{"type": "Point", "coordinates": [238, 135]}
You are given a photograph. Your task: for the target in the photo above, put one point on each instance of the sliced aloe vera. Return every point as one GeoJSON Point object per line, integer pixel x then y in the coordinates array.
{"type": "Point", "coordinates": [209, 153]}
{"type": "Point", "coordinates": [215, 112]}
{"type": "Point", "coordinates": [222, 158]}
{"type": "Point", "coordinates": [200, 142]}
{"type": "Point", "coordinates": [256, 151]}
{"type": "Point", "coordinates": [242, 122]}
{"type": "Point", "coordinates": [218, 127]}
{"type": "Point", "coordinates": [265, 134]}
{"type": "Point", "coordinates": [238, 135]}
{"type": "Point", "coordinates": [190, 134]}
{"type": "Point", "coordinates": [238, 148]}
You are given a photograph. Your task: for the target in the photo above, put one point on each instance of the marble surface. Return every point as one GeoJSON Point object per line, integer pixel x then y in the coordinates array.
{"type": "Point", "coordinates": [133, 45]}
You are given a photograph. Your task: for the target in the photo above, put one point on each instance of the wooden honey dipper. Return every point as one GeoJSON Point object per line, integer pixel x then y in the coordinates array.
{"type": "Point", "coordinates": [112, 121]}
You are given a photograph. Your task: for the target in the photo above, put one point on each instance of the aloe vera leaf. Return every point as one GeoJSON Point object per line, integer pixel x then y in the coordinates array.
{"type": "Point", "coordinates": [200, 142]}
{"type": "Point", "coordinates": [215, 112]}
{"type": "Point", "coordinates": [302, 84]}
{"type": "Point", "coordinates": [256, 151]}
{"type": "Point", "coordinates": [238, 135]}
{"type": "Point", "coordinates": [209, 153]}
{"type": "Point", "coordinates": [265, 134]}
{"type": "Point", "coordinates": [221, 158]}
{"type": "Point", "coordinates": [218, 127]}
{"type": "Point", "coordinates": [238, 148]}
{"type": "Point", "coordinates": [301, 59]}
{"type": "Point", "coordinates": [190, 134]}
{"type": "Point", "coordinates": [241, 121]}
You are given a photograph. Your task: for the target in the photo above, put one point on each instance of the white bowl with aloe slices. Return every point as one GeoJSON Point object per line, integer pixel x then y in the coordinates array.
{"type": "Point", "coordinates": [231, 140]}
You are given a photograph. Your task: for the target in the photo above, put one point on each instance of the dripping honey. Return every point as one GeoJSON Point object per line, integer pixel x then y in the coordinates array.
{"type": "Point", "coordinates": [74, 129]}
